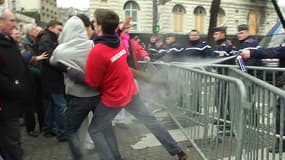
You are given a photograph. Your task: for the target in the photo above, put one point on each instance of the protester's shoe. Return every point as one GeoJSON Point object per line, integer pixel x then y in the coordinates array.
{"type": "Point", "coordinates": [122, 125]}
{"type": "Point", "coordinates": [49, 134]}
{"type": "Point", "coordinates": [33, 134]}
{"type": "Point", "coordinates": [61, 139]}
{"type": "Point", "coordinates": [275, 149]}
{"type": "Point", "coordinates": [182, 155]}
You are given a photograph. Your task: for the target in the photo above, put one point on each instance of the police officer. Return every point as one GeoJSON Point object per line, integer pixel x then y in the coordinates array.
{"type": "Point", "coordinates": [157, 51]}
{"type": "Point", "coordinates": [173, 49]}
{"type": "Point", "coordinates": [247, 42]}
{"type": "Point", "coordinates": [224, 46]}
{"type": "Point", "coordinates": [196, 46]}
{"type": "Point", "coordinates": [274, 52]}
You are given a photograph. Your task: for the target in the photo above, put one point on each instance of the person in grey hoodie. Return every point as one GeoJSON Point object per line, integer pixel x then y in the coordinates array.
{"type": "Point", "coordinates": [74, 46]}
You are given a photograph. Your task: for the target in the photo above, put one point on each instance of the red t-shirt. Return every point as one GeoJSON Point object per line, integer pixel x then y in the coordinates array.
{"type": "Point", "coordinates": [107, 70]}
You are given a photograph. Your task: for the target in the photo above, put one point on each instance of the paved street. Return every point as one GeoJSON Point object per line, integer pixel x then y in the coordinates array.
{"type": "Point", "coordinates": [136, 143]}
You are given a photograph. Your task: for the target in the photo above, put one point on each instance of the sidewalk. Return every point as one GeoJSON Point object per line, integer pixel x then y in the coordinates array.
{"type": "Point", "coordinates": [136, 143]}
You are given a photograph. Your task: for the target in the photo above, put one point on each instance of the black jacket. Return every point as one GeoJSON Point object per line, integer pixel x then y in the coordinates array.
{"type": "Point", "coordinates": [15, 80]}
{"type": "Point", "coordinates": [197, 48]}
{"type": "Point", "coordinates": [275, 52]}
{"type": "Point", "coordinates": [52, 78]}
{"type": "Point", "coordinates": [252, 44]}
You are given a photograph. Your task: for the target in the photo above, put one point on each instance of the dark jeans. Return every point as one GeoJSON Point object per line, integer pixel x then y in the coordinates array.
{"type": "Point", "coordinates": [54, 116]}
{"type": "Point", "coordinates": [10, 139]}
{"type": "Point", "coordinates": [102, 132]}
{"type": "Point", "coordinates": [30, 118]}
{"type": "Point", "coordinates": [38, 107]}
{"type": "Point", "coordinates": [77, 110]}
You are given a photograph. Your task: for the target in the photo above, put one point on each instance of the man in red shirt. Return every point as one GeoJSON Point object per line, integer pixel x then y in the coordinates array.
{"type": "Point", "coordinates": [107, 70]}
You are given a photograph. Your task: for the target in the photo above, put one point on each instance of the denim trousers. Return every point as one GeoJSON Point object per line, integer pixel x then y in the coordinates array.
{"type": "Point", "coordinates": [54, 117]}
{"type": "Point", "coordinates": [102, 132]}
{"type": "Point", "coordinates": [77, 110]}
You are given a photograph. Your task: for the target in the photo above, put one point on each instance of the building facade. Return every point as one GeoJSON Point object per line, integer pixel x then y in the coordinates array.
{"type": "Point", "coordinates": [47, 9]}
{"type": "Point", "coordinates": [20, 18]}
{"type": "Point", "coordinates": [181, 16]}
{"type": "Point", "coordinates": [65, 13]}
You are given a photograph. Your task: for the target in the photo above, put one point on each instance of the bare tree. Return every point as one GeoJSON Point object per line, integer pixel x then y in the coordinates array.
{"type": "Point", "coordinates": [214, 11]}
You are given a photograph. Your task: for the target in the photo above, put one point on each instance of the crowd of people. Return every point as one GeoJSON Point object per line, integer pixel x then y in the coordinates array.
{"type": "Point", "coordinates": [64, 72]}
{"type": "Point", "coordinates": [170, 50]}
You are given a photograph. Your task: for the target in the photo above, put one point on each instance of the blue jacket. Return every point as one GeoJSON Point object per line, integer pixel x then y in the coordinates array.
{"type": "Point", "coordinates": [274, 52]}
{"type": "Point", "coordinates": [223, 48]}
{"type": "Point", "coordinates": [173, 52]}
{"type": "Point", "coordinates": [197, 48]}
{"type": "Point", "coordinates": [252, 44]}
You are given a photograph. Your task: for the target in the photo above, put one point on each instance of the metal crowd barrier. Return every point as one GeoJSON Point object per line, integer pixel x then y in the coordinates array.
{"type": "Point", "coordinates": [265, 118]}
{"type": "Point", "coordinates": [207, 107]}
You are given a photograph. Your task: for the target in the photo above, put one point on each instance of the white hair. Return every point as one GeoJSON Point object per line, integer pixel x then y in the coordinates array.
{"type": "Point", "coordinates": [27, 28]}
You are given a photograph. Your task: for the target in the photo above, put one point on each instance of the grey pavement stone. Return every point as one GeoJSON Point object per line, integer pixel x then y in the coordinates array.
{"type": "Point", "coordinates": [42, 148]}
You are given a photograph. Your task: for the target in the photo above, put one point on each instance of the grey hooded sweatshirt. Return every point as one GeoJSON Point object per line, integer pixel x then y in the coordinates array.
{"type": "Point", "coordinates": [72, 51]}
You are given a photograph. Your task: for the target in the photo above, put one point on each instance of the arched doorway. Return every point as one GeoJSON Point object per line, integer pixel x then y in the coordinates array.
{"type": "Point", "coordinates": [200, 13]}
{"type": "Point", "coordinates": [178, 18]}
{"type": "Point", "coordinates": [252, 22]}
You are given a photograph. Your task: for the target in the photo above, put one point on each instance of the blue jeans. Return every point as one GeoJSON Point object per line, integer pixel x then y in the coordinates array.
{"type": "Point", "coordinates": [54, 117]}
{"type": "Point", "coordinates": [103, 135]}
{"type": "Point", "coordinates": [77, 110]}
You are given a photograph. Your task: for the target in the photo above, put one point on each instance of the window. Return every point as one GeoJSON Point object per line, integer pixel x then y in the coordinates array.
{"type": "Point", "coordinates": [252, 22]}
{"type": "Point", "coordinates": [131, 10]}
{"type": "Point", "coordinates": [221, 17]}
{"type": "Point", "coordinates": [200, 14]}
{"type": "Point", "coordinates": [178, 18]}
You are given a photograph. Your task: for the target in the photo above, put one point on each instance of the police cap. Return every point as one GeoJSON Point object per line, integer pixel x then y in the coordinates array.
{"type": "Point", "coordinates": [242, 27]}
{"type": "Point", "coordinates": [220, 29]}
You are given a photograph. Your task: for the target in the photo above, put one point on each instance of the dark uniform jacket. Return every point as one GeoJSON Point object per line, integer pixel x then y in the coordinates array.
{"type": "Point", "coordinates": [52, 78]}
{"type": "Point", "coordinates": [275, 52]}
{"type": "Point", "coordinates": [173, 52]}
{"type": "Point", "coordinates": [250, 43]}
{"type": "Point", "coordinates": [156, 53]}
{"type": "Point", "coordinates": [15, 81]}
{"type": "Point", "coordinates": [223, 48]}
{"type": "Point", "coordinates": [197, 48]}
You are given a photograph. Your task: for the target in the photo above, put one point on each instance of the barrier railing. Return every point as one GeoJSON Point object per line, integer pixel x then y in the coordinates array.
{"type": "Point", "coordinates": [264, 119]}
{"type": "Point", "coordinates": [206, 107]}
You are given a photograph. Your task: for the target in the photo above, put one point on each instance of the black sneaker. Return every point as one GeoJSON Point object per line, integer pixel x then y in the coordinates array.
{"type": "Point", "coordinates": [122, 125]}
{"type": "Point", "coordinates": [49, 134]}
{"type": "Point", "coordinates": [182, 155]}
{"type": "Point", "coordinates": [61, 139]}
{"type": "Point", "coordinates": [33, 134]}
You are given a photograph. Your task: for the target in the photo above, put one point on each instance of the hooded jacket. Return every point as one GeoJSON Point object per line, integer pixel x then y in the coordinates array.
{"type": "Point", "coordinates": [15, 80]}
{"type": "Point", "coordinates": [72, 51]}
{"type": "Point", "coordinates": [107, 70]}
